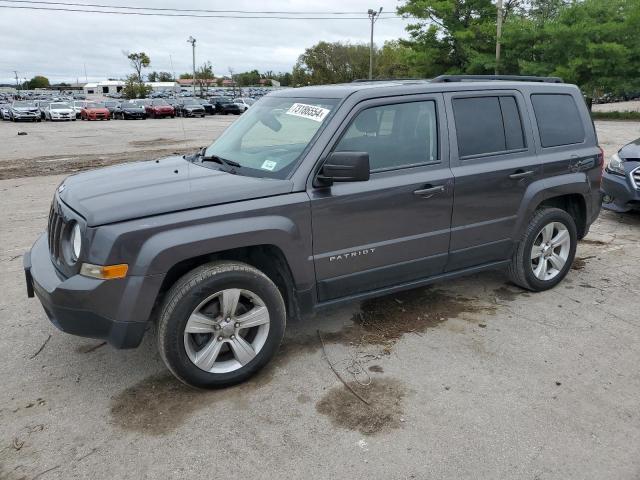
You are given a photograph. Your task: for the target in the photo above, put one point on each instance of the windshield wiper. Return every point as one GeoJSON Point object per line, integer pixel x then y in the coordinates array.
{"type": "Point", "coordinates": [230, 164]}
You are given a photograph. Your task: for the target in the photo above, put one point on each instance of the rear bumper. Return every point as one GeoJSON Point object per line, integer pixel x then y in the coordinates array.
{"type": "Point", "coordinates": [620, 192]}
{"type": "Point", "coordinates": [85, 306]}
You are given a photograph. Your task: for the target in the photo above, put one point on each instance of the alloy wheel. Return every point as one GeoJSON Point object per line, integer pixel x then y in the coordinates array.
{"type": "Point", "coordinates": [550, 251]}
{"type": "Point", "coordinates": [226, 331]}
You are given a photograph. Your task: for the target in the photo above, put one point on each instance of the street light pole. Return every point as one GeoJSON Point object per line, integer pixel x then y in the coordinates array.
{"type": "Point", "coordinates": [498, 35]}
{"type": "Point", "coordinates": [192, 41]}
{"type": "Point", "coordinates": [373, 16]}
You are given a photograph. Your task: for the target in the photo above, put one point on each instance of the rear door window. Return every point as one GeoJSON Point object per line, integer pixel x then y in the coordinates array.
{"type": "Point", "coordinates": [487, 125]}
{"type": "Point", "coordinates": [558, 119]}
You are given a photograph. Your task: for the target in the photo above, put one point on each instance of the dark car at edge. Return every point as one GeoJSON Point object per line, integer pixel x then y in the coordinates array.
{"type": "Point", "coordinates": [621, 180]}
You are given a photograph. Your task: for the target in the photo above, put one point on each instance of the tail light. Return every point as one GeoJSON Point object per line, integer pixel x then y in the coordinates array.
{"type": "Point", "coordinates": [601, 160]}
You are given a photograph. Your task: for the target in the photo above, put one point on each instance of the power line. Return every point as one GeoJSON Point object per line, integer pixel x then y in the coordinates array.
{"type": "Point", "coordinates": [128, 7]}
{"type": "Point", "coordinates": [177, 15]}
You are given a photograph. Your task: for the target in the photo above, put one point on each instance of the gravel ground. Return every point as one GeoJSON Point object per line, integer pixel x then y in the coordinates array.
{"type": "Point", "coordinates": [470, 379]}
{"type": "Point", "coordinates": [50, 148]}
{"type": "Point", "coordinates": [630, 106]}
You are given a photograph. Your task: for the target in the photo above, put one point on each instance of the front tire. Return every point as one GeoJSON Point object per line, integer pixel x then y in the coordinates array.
{"type": "Point", "coordinates": [220, 324]}
{"type": "Point", "coordinates": [546, 250]}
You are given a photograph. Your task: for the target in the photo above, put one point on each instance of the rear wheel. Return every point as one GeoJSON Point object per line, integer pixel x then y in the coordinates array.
{"type": "Point", "coordinates": [220, 324]}
{"type": "Point", "coordinates": [546, 250]}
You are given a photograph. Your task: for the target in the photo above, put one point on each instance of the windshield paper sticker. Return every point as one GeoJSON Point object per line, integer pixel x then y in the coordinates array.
{"type": "Point", "coordinates": [308, 111]}
{"type": "Point", "coordinates": [269, 165]}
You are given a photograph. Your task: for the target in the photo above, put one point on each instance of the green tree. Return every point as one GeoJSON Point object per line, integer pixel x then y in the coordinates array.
{"type": "Point", "coordinates": [452, 36]}
{"type": "Point", "coordinates": [186, 76]}
{"type": "Point", "coordinates": [246, 79]}
{"type": "Point", "coordinates": [592, 43]}
{"type": "Point", "coordinates": [204, 75]}
{"type": "Point", "coordinates": [38, 82]}
{"type": "Point", "coordinates": [331, 63]}
{"type": "Point", "coordinates": [134, 88]}
{"type": "Point", "coordinates": [393, 61]}
{"type": "Point", "coordinates": [160, 77]}
{"type": "Point", "coordinates": [138, 61]}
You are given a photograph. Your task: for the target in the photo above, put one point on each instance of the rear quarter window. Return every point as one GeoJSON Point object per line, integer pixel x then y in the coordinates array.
{"type": "Point", "coordinates": [558, 119]}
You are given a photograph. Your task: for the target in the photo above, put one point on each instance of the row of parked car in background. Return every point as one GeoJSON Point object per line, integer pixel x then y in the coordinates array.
{"type": "Point", "coordinates": [71, 110]}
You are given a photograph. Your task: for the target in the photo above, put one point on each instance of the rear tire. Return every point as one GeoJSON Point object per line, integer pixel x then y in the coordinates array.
{"type": "Point", "coordinates": [546, 250]}
{"type": "Point", "coordinates": [217, 351]}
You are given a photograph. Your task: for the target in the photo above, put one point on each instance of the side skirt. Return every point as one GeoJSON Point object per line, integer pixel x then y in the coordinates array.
{"type": "Point", "coordinates": [414, 284]}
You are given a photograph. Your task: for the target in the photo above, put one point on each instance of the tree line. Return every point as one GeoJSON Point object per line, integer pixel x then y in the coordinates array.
{"type": "Point", "coordinates": [592, 43]}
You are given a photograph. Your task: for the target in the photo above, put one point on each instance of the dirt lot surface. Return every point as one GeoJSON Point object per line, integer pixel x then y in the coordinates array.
{"type": "Point", "coordinates": [470, 379]}
{"type": "Point", "coordinates": [50, 148]}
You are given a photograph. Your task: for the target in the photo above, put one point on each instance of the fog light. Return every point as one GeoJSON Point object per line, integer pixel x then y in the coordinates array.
{"type": "Point", "coordinates": [607, 199]}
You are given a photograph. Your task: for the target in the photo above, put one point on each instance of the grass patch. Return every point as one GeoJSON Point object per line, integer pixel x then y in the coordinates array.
{"type": "Point", "coordinates": [615, 115]}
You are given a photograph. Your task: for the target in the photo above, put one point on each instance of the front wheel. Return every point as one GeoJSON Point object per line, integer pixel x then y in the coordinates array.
{"type": "Point", "coordinates": [546, 250]}
{"type": "Point", "coordinates": [220, 324]}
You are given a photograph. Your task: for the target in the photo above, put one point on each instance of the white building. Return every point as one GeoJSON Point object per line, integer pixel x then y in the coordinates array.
{"type": "Point", "coordinates": [161, 86]}
{"type": "Point", "coordinates": [105, 86]}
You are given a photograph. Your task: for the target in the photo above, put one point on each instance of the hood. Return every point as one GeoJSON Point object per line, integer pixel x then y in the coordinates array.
{"type": "Point", "coordinates": [142, 189]}
{"type": "Point", "coordinates": [25, 109]}
{"type": "Point", "coordinates": [630, 150]}
{"type": "Point", "coordinates": [61, 110]}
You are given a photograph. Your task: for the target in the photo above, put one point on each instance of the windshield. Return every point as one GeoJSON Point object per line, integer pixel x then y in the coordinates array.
{"type": "Point", "coordinates": [94, 105]}
{"type": "Point", "coordinates": [129, 105]}
{"type": "Point", "coordinates": [55, 106]}
{"type": "Point", "coordinates": [24, 104]}
{"type": "Point", "coordinates": [160, 103]}
{"type": "Point", "coordinates": [111, 104]}
{"type": "Point", "coordinates": [270, 138]}
{"type": "Point", "coordinates": [191, 102]}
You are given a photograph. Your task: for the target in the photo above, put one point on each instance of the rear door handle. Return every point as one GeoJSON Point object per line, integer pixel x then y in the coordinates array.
{"type": "Point", "coordinates": [429, 191]}
{"type": "Point", "coordinates": [520, 174]}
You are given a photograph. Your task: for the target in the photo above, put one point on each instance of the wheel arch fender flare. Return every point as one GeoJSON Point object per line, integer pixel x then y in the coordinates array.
{"type": "Point", "coordinates": [161, 251]}
{"type": "Point", "coordinates": [544, 189]}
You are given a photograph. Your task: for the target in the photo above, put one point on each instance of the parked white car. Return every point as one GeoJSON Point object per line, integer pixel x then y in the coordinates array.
{"type": "Point", "coordinates": [244, 103]}
{"type": "Point", "coordinates": [77, 106]}
{"type": "Point", "coordinates": [59, 111]}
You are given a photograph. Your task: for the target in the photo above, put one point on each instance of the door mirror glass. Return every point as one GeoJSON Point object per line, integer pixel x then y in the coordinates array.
{"type": "Point", "coordinates": [345, 167]}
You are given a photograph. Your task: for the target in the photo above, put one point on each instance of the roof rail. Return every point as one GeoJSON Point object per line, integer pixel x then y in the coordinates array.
{"type": "Point", "coordinates": [366, 80]}
{"type": "Point", "coordinates": [480, 78]}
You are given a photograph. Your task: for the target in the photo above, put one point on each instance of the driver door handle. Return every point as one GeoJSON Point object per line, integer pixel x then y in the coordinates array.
{"type": "Point", "coordinates": [429, 191]}
{"type": "Point", "coordinates": [520, 174]}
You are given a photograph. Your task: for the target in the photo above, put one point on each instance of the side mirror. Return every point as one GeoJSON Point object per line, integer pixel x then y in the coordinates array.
{"type": "Point", "coordinates": [345, 167]}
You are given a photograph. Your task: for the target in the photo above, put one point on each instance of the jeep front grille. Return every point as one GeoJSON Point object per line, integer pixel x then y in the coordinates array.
{"type": "Point", "coordinates": [55, 230]}
{"type": "Point", "coordinates": [635, 178]}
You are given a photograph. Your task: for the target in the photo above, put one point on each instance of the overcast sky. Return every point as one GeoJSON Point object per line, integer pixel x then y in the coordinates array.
{"type": "Point", "coordinates": [58, 45]}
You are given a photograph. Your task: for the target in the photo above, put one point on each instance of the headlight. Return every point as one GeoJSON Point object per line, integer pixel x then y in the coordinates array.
{"type": "Point", "coordinates": [616, 165]}
{"type": "Point", "coordinates": [76, 242]}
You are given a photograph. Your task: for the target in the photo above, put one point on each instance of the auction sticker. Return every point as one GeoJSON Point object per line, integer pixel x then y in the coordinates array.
{"type": "Point", "coordinates": [308, 111]}
{"type": "Point", "coordinates": [269, 165]}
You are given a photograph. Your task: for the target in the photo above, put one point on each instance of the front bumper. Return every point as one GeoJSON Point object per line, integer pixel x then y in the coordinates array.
{"type": "Point", "coordinates": [85, 306]}
{"type": "Point", "coordinates": [621, 192]}
{"type": "Point", "coordinates": [26, 116]}
{"type": "Point", "coordinates": [133, 115]}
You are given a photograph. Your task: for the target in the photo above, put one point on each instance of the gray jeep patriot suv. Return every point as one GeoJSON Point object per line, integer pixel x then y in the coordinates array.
{"type": "Point", "coordinates": [316, 196]}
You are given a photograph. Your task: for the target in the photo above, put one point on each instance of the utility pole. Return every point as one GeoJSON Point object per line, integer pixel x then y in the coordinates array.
{"type": "Point", "coordinates": [17, 80]}
{"type": "Point", "coordinates": [373, 17]}
{"type": "Point", "coordinates": [192, 41]}
{"type": "Point", "coordinates": [86, 79]}
{"type": "Point", "coordinates": [498, 35]}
